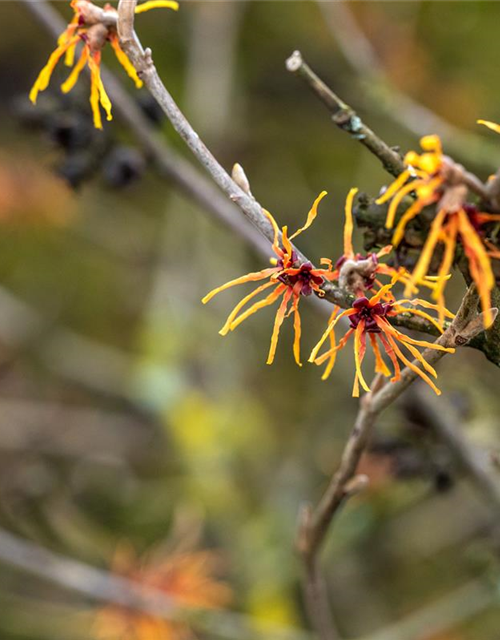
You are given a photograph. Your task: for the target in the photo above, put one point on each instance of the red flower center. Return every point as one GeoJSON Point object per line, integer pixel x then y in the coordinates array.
{"type": "Point", "coordinates": [368, 313]}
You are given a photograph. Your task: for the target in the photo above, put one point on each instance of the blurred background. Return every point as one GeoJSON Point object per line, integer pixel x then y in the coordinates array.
{"type": "Point", "coordinates": [126, 418]}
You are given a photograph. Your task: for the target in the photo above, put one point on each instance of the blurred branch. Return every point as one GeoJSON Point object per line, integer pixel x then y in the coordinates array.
{"type": "Point", "coordinates": [446, 426]}
{"type": "Point", "coordinates": [65, 352]}
{"type": "Point", "coordinates": [210, 73]}
{"type": "Point", "coordinates": [100, 586]}
{"type": "Point", "coordinates": [443, 615]}
{"type": "Point", "coordinates": [345, 117]}
{"type": "Point", "coordinates": [401, 108]}
{"type": "Point", "coordinates": [69, 430]}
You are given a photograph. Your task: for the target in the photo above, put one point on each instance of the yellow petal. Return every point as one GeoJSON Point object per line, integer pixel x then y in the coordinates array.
{"type": "Point", "coordinates": [297, 330]}
{"type": "Point", "coordinates": [42, 82]}
{"type": "Point", "coordinates": [491, 125]}
{"type": "Point", "coordinates": [75, 73]}
{"type": "Point", "coordinates": [394, 187]}
{"type": "Point", "coordinates": [125, 62]}
{"type": "Point", "coordinates": [359, 353]}
{"type": "Point", "coordinates": [157, 4]}
{"type": "Point", "coordinates": [348, 226]}
{"type": "Point", "coordinates": [226, 328]}
{"type": "Point", "coordinates": [311, 215]}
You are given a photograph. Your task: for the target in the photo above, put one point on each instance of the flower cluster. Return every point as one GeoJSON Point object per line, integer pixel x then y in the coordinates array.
{"type": "Point", "coordinates": [93, 27]}
{"type": "Point", "coordinates": [368, 316]}
{"type": "Point", "coordinates": [435, 179]}
{"type": "Point", "coordinates": [187, 578]}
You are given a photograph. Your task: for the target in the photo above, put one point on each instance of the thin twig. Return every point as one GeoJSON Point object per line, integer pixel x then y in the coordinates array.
{"type": "Point", "coordinates": [345, 117]}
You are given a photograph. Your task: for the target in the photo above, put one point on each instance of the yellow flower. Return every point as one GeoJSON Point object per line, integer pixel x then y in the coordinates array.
{"type": "Point", "coordinates": [93, 26]}
{"type": "Point", "coordinates": [430, 175]}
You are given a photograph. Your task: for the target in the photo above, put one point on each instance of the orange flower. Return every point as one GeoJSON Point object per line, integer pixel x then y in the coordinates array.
{"type": "Point", "coordinates": [289, 280]}
{"type": "Point", "coordinates": [432, 177]}
{"type": "Point", "coordinates": [186, 578]}
{"type": "Point", "coordinates": [369, 317]}
{"type": "Point", "coordinates": [93, 26]}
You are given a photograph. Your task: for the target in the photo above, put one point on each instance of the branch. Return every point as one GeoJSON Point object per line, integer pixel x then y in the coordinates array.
{"type": "Point", "coordinates": [345, 117]}
{"type": "Point", "coordinates": [315, 523]}
{"type": "Point", "coordinates": [348, 120]}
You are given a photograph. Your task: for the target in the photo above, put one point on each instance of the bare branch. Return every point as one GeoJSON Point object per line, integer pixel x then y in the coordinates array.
{"type": "Point", "coordinates": [348, 120]}
{"type": "Point", "coordinates": [344, 116]}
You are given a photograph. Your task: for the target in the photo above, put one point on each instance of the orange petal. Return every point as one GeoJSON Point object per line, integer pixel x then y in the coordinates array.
{"type": "Point", "coordinates": [384, 251]}
{"type": "Point", "coordinates": [413, 366]}
{"type": "Point", "coordinates": [396, 201]}
{"type": "Point", "coordinates": [477, 254]}
{"type": "Point", "coordinates": [276, 241]}
{"type": "Point", "coordinates": [250, 277]}
{"type": "Point", "coordinates": [310, 216]}
{"type": "Point", "coordinates": [390, 352]}
{"type": "Point", "coordinates": [342, 343]}
{"type": "Point", "coordinates": [428, 250]}
{"type": "Point", "coordinates": [287, 245]}
{"type": "Point", "coordinates": [410, 213]}
{"type": "Point", "coordinates": [280, 316]}
{"type": "Point", "coordinates": [380, 366]}
{"type": "Point", "coordinates": [297, 330]}
{"type": "Point", "coordinates": [272, 297]}
{"type": "Point", "coordinates": [227, 327]}
{"type": "Point", "coordinates": [359, 353]}
{"type": "Point", "coordinates": [418, 356]}
{"type": "Point", "coordinates": [348, 226]}
{"type": "Point", "coordinates": [331, 325]}
{"type": "Point", "coordinates": [389, 329]}
{"type": "Point", "coordinates": [332, 350]}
